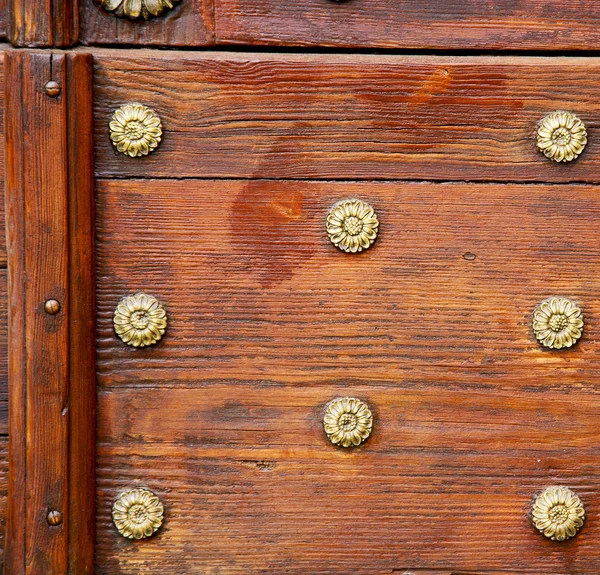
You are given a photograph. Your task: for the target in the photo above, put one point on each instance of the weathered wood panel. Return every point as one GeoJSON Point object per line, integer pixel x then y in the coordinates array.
{"type": "Point", "coordinates": [420, 24]}
{"type": "Point", "coordinates": [362, 117]}
{"type": "Point", "coordinates": [2, 19]}
{"type": "Point", "coordinates": [42, 23]}
{"type": "Point", "coordinates": [256, 290]}
{"type": "Point", "coordinates": [268, 322]}
{"type": "Point", "coordinates": [190, 23]}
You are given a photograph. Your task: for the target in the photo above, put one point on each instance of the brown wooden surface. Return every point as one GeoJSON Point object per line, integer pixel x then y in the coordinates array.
{"type": "Point", "coordinates": [351, 116]}
{"type": "Point", "coordinates": [43, 23]}
{"type": "Point", "coordinates": [421, 24]}
{"type": "Point", "coordinates": [3, 278]}
{"type": "Point", "coordinates": [3, 492]}
{"type": "Point", "coordinates": [3, 351]}
{"type": "Point", "coordinates": [268, 322]}
{"type": "Point", "coordinates": [52, 381]}
{"type": "Point", "coordinates": [3, 19]}
{"type": "Point", "coordinates": [3, 328]}
{"type": "Point", "coordinates": [190, 23]}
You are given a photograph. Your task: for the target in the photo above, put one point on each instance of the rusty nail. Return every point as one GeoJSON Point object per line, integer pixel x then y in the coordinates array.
{"type": "Point", "coordinates": [52, 307]}
{"type": "Point", "coordinates": [54, 518]}
{"type": "Point", "coordinates": [52, 89]}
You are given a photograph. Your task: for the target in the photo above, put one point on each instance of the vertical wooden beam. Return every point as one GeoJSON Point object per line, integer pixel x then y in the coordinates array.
{"type": "Point", "coordinates": [43, 23]}
{"type": "Point", "coordinates": [49, 200]}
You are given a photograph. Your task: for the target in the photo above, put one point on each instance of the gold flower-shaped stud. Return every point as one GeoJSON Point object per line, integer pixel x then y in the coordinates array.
{"type": "Point", "coordinates": [561, 136]}
{"type": "Point", "coordinates": [348, 421]}
{"type": "Point", "coordinates": [352, 225]}
{"type": "Point", "coordinates": [557, 323]}
{"type": "Point", "coordinates": [558, 513]}
{"type": "Point", "coordinates": [137, 514]}
{"type": "Point", "coordinates": [135, 130]}
{"type": "Point", "coordinates": [140, 320]}
{"type": "Point", "coordinates": [136, 9]}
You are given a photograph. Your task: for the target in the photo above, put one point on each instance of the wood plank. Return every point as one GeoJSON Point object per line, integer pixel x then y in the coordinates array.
{"type": "Point", "coordinates": [347, 116]}
{"type": "Point", "coordinates": [49, 149]}
{"type": "Point", "coordinates": [256, 291]}
{"type": "Point", "coordinates": [190, 23]}
{"type": "Point", "coordinates": [38, 453]}
{"type": "Point", "coordinates": [82, 313]}
{"type": "Point", "coordinates": [546, 414]}
{"type": "Point", "coordinates": [417, 24]}
{"type": "Point", "coordinates": [287, 510]}
{"type": "Point", "coordinates": [43, 23]}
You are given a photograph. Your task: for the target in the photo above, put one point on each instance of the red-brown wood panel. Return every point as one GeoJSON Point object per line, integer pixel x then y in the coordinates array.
{"type": "Point", "coordinates": [3, 493]}
{"type": "Point", "coordinates": [3, 275]}
{"type": "Point", "coordinates": [3, 351]}
{"type": "Point", "coordinates": [190, 23]}
{"type": "Point", "coordinates": [2, 19]}
{"type": "Point", "coordinates": [268, 322]}
{"type": "Point", "coordinates": [362, 117]}
{"type": "Point", "coordinates": [3, 326]}
{"type": "Point", "coordinates": [42, 23]}
{"type": "Point", "coordinates": [421, 24]}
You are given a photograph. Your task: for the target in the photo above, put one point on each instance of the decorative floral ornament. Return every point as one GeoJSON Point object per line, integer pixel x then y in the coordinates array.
{"type": "Point", "coordinates": [558, 513]}
{"type": "Point", "coordinates": [561, 136]}
{"type": "Point", "coordinates": [137, 514]}
{"type": "Point", "coordinates": [348, 421]}
{"type": "Point", "coordinates": [352, 225]}
{"type": "Point", "coordinates": [135, 130]}
{"type": "Point", "coordinates": [140, 320]}
{"type": "Point", "coordinates": [557, 323]}
{"type": "Point", "coordinates": [136, 9]}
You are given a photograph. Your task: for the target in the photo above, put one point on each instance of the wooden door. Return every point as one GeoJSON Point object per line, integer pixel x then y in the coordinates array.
{"type": "Point", "coordinates": [223, 221]}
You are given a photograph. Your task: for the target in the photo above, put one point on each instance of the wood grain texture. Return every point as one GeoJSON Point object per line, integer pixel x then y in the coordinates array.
{"type": "Point", "coordinates": [340, 117]}
{"type": "Point", "coordinates": [43, 23]}
{"type": "Point", "coordinates": [3, 351]}
{"type": "Point", "coordinates": [3, 277]}
{"type": "Point", "coordinates": [190, 23]}
{"type": "Point", "coordinates": [3, 493]}
{"type": "Point", "coordinates": [2, 19]}
{"type": "Point", "coordinates": [2, 168]}
{"type": "Point", "coordinates": [419, 24]}
{"type": "Point", "coordinates": [49, 150]}
{"type": "Point", "coordinates": [268, 322]}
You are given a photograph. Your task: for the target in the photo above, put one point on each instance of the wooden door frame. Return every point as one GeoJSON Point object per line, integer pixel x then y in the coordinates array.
{"type": "Point", "coordinates": [52, 375]}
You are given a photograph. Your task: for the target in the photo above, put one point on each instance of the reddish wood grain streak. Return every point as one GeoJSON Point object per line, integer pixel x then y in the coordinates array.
{"type": "Point", "coordinates": [3, 274]}
{"type": "Point", "coordinates": [50, 230]}
{"type": "Point", "coordinates": [190, 23]}
{"type": "Point", "coordinates": [2, 20]}
{"type": "Point", "coordinates": [417, 24]}
{"type": "Point", "coordinates": [3, 351]}
{"type": "Point", "coordinates": [43, 23]}
{"type": "Point", "coordinates": [268, 322]}
{"type": "Point", "coordinates": [347, 117]}
{"type": "Point", "coordinates": [3, 489]}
